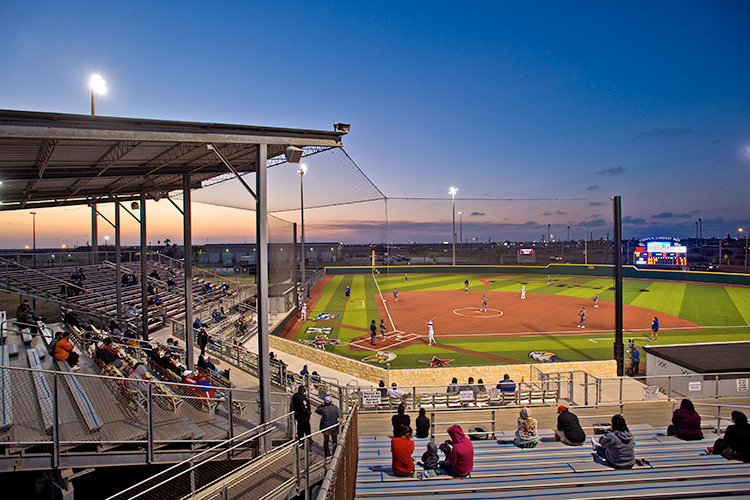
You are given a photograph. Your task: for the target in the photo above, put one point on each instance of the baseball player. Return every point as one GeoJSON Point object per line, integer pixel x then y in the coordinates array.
{"type": "Point", "coordinates": [548, 279]}
{"type": "Point", "coordinates": [582, 321]}
{"type": "Point", "coordinates": [406, 278]}
{"type": "Point", "coordinates": [596, 300]}
{"type": "Point", "coordinates": [303, 312]}
{"type": "Point", "coordinates": [395, 295]}
{"type": "Point", "coordinates": [430, 333]}
{"type": "Point", "coordinates": [348, 293]}
{"type": "Point", "coordinates": [484, 303]}
{"type": "Point", "coordinates": [382, 330]}
{"type": "Point", "coordinates": [654, 330]}
{"type": "Point", "coordinates": [373, 332]}
{"type": "Point", "coordinates": [466, 287]}
{"type": "Point", "coordinates": [523, 291]}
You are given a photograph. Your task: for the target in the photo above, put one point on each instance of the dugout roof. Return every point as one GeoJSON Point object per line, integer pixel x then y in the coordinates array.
{"type": "Point", "coordinates": [720, 357]}
{"type": "Point", "coordinates": [55, 159]}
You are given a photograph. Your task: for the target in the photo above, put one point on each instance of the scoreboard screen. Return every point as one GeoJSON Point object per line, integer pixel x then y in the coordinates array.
{"type": "Point", "coordinates": [660, 252]}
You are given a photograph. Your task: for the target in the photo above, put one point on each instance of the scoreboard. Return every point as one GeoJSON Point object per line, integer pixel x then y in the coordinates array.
{"type": "Point", "coordinates": [660, 252]}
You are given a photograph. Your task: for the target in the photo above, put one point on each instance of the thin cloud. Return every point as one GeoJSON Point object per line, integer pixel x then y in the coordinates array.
{"type": "Point", "coordinates": [670, 215]}
{"type": "Point", "coordinates": [617, 170]}
{"type": "Point", "coordinates": [632, 220]}
{"type": "Point", "coordinates": [594, 187]}
{"type": "Point", "coordinates": [478, 214]}
{"type": "Point", "coordinates": [665, 133]}
{"type": "Point", "coordinates": [595, 204]}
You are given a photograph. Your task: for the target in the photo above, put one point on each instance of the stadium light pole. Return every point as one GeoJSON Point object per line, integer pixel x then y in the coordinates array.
{"type": "Point", "coordinates": [747, 233]}
{"type": "Point", "coordinates": [301, 171]}
{"type": "Point", "coordinates": [33, 231]}
{"type": "Point", "coordinates": [98, 86]}
{"type": "Point", "coordinates": [453, 191]}
{"type": "Point", "coordinates": [460, 228]}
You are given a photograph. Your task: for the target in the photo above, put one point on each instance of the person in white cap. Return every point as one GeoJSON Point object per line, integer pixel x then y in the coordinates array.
{"type": "Point", "coordinates": [329, 416]}
{"type": "Point", "coordinates": [303, 312]}
{"type": "Point", "coordinates": [430, 333]}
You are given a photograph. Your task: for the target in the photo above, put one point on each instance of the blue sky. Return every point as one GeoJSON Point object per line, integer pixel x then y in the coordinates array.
{"type": "Point", "coordinates": [647, 100]}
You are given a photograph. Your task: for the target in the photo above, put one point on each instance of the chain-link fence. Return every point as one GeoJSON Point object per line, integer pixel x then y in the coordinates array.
{"type": "Point", "coordinates": [341, 478]}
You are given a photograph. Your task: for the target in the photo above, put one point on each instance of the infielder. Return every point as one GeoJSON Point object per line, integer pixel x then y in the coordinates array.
{"type": "Point", "coordinates": [548, 279]}
{"type": "Point", "coordinates": [430, 333]}
{"type": "Point", "coordinates": [466, 287]}
{"type": "Point", "coordinates": [596, 300]}
{"type": "Point", "coordinates": [582, 321]}
{"type": "Point", "coordinates": [406, 278]}
{"type": "Point", "coordinates": [382, 330]}
{"type": "Point", "coordinates": [395, 295]}
{"type": "Point", "coordinates": [484, 303]}
{"type": "Point", "coordinates": [348, 293]}
{"type": "Point", "coordinates": [303, 312]}
{"type": "Point", "coordinates": [523, 291]}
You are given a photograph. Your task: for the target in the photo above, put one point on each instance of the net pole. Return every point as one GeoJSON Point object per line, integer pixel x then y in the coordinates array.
{"type": "Point", "coordinates": [618, 347]}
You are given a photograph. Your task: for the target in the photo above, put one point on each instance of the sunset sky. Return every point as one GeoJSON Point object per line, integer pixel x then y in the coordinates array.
{"type": "Point", "coordinates": [646, 100]}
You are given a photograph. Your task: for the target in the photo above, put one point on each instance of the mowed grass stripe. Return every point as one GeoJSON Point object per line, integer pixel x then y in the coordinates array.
{"type": "Point", "coordinates": [588, 288]}
{"type": "Point", "coordinates": [664, 297]}
{"type": "Point", "coordinates": [709, 305]}
{"type": "Point", "coordinates": [741, 299]}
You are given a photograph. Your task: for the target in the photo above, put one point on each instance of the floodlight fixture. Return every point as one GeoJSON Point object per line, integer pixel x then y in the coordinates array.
{"type": "Point", "coordinates": [293, 154]}
{"type": "Point", "coordinates": [97, 86]}
{"type": "Point", "coordinates": [342, 127]}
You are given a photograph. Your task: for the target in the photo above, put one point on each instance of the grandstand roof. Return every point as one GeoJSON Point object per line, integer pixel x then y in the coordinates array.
{"type": "Point", "coordinates": [55, 159]}
{"type": "Point", "coordinates": [718, 357]}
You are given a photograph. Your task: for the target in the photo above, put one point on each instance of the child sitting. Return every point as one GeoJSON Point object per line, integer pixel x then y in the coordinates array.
{"type": "Point", "coordinates": [430, 459]}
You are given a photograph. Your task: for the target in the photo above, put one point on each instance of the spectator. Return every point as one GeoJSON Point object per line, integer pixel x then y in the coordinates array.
{"type": "Point", "coordinates": [506, 384]}
{"type": "Point", "coordinates": [382, 390]}
{"type": "Point", "coordinates": [304, 371]}
{"type": "Point", "coordinates": [472, 387]}
{"type": "Point", "coordinates": [735, 445]}
{"type": "Point", "coordinates": [208, 389]}
{"type": "Point", "coordinates": [136, 377]}
{"type": "Point", "coordinates": [64, 352]}
{"type": "Point", "coordinates": [402, 447]}
{"type": "Point", "coordinates": [636, 361]}
{"type": "Point", "coordinates": [618, 446]}
{"type": "Point", "coordinates": [568, 429]}
{"type": "Point", "coordinates": [71, 319]}
{"type": "Point", "coordinates": [459, 453]}
{"type": "Point", "coordinates": [197, 324]}
{"type": "Point", "coordinates": [400, 420]}
{"type": "Point", "coordinates": [453, 386]}
{"type": "Point", "coordinates": [53, 342]}
{"type": "Point", "coordinates": [203, 340]}
{"type": "Point", "coordinates": [154, 274]}
{"type": "Point", "coordinates": [480, 386]}
{"type": "Point", "coordinates": [162, 313]}
{"type": "Point", "coordinates": [26, 319]}
{"type": "Point", "coordinates": [526, 436]}
{"type": "Point", "coordinates": [430, 458]}
{"type": "Point", "coordinates": [423, 426]}
{"type": "Point", "coordinates": [108, 356]}
{"type": "Point", "coordinates": [168, 363]}
{"type": "Point", "coordinates": [395, 393]}
{"type": "Point", "coordinates": [329, 416]}
{"type": "Point", "coordinates": [301, 409]}
{"type": "Point", "coordinates": [171, 284]}
{"type": "Point", "coordinates": [686, 423]}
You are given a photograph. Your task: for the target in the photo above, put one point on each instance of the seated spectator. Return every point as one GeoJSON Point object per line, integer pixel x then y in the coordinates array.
{"type": "Point", "coordinates": [197, 324]}
{"type": "Point", "coordinates": [395, 393]}
{"type": "Point", "coordinates": [154, 274]}
{"type": "Point", "coordinates": [430, 458]}
{"type": "Point", "coordinates": [471, 386]}
{"type": "Point", "coordinates": [506, 384]}
{"type": "Point", "coordinates": [735, 445]}
{"type": "Point", "coordinates": [400, 420]}
{"type": "Point", "coordinates": [171, 272]}
{"type": "Point", "coordinates": [208, 389]}
{"type": "Point", "coordinates": [136, 378]}
{"type": "Point", "coordinates": [315, 376]}
{"type": "Point", "coordinates": [526, 436]}
{"type": "Point", "coordinates": [383, 390]}
{"type": "Point", "coordinates": [402, 447]}
{"type": "Point", "coordinates": [568, 430]}
{"type": "Point", "coordinates": [304, 370]}
{"type": "Point", "coordinates": [51, 346]}
{"type": "Point", "coordinates": [618, 446]}
{"type": "Point", "coordinates": [157, 300]}
{"type": "Point", "coordinates": [453, 386]}
{"type": "Point", "coordinates": [459, 453]}
{"type": "Point", "coordinates": [26, 319]}
{"type": "Point", "coordinates": [168, 363]}
{"type": "Point", "coordinates": [480, 387]}
{"type": "Point", "coordinates": [171, 284]}
{"type": "Point", "coordinates": [423, 427]}
{"type": "Point", "coordinates": [71, 319]}
{"type": "Point", "coordinates": [108, 356]}
{"type": "Point", "coordinates": [64, 352]}
{"type": "Point", "coordinates": [188, 377]}
{"type": "Point", "coordinates": [207, 287]}
{"type": "Point", "coordinates": [686, 423]}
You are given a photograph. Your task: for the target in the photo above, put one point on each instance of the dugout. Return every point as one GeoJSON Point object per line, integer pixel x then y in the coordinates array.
{"type": "Point", "coordinates": [705, 370]}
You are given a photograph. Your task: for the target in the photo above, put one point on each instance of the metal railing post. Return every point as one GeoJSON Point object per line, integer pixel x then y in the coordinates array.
{"type": "Point", "coordinates": [493, 424]}
{"type": "Point", "coordinates": [150, 431]}
{"type": "Point", "coordinates": [716, 384]}
{"type": "Point", "coordinates": [718, 420]}
{"type": "Point", "coordinates": [307, 467]}
{"type": "Point", "coordinates": [55, 424]}
{"type": "Point", "coordinates": [230, 401]}
{"type": "Point", "coordinates": [669, 387]}
{"type": "Point", "coordinates": [586, 388]}
{"type": "Point", "coordinates": [620, 399]}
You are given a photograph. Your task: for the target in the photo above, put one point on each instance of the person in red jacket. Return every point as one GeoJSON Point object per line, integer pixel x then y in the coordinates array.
{"type": "Point", "coordinates": [402, 447]}
{"type": "Point", "coordinates": [459, 453]}
{"type": "Point", "coordinates": [686, 423]}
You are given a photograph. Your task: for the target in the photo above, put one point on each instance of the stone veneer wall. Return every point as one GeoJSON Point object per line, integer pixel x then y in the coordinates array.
{"type": "Point", "coordinates": [490, 374]}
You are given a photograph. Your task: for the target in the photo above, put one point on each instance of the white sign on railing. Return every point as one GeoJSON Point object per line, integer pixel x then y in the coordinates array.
{"type": "Point", "coordinates": [695, 386]}
{"type": "Point", "coordinates": [493, 393]}
{"type": "Point", "coordinates": [371, 398]}
{"type": "Point", "coordinates": [650, 392]}
{"type": "Point", "coordinates": [466, 395]}
{"type": "Point", "coordinates": [742, 384]}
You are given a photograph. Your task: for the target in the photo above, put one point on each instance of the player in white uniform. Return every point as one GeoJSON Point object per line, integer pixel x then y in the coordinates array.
{"type": "Point", "coordinates": [484, 303]}
{"type": "Point", "coordinates": [430, 333]}
{"type": "Point", "coordinates": [596, 300]}
{"type": "Point", "coordinates": [303, 312]}
{"type": "Point", "coordinates": [523, 291]}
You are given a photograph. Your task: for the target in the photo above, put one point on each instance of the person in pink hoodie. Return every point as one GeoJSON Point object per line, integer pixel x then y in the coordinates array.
{"type": "Point", "coordinates": [459, 453]}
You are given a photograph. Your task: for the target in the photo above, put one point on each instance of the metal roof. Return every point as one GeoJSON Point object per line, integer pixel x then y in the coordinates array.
{"type": "Point", "coordinates": [53, 159]}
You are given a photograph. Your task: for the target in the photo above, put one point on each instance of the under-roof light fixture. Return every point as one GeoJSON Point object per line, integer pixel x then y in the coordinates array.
{"type": "Point", "coordinates": [98, 86]}
{"type": "Point", "coordinates": [452, 191]}
{"type": "Point", "coordinates": [342, 127]}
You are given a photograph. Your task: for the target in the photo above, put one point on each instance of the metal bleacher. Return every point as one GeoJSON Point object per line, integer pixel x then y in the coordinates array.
{"type": "Point", "coordinates": [667, 468]}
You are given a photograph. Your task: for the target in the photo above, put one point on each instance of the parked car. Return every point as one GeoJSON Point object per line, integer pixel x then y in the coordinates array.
{"type": "Point", "coordinates": [703, 266]}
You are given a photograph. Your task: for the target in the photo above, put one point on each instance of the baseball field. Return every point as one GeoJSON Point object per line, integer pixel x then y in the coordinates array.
{"type": "Point", "coordinates": [512, 329]}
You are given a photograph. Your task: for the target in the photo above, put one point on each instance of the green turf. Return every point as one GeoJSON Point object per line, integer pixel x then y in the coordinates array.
{"type": "Point", "coordinates": [724, 309]}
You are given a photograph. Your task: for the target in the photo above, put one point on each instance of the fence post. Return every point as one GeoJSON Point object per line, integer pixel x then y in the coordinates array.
{"type": "Point", "coordinates": [307, 467]}
{"type": "Point", "coordinates": [432, 425]}
{"type": "Point", "coordinates": [150, 431]}
{"type": "Point", "coordinates": [621, 379]}
{"type": "Point", "coordinates": [669, 387]}
{"type": "Point", "coordinates": [718, 421]}
{"type": "Point", "coordinates": [56, 425]}
{"type": "Point", "coordinates": [230, 404]}
{"type": "Point", "coordinates": [586, 388]}
{"type": "Point", "coordinates": [716, 384]}
{"type": "Point", "coordinates": [493, 424]}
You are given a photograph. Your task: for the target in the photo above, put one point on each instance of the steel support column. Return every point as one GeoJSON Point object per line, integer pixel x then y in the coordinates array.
{"type": "Point", "coordinates": [118, 264]}
{"type": "Point", "coordinates": [94, 235]}
{"type": "Point", "coordinates": [188, 251]}
{"type": "Point", "coordinates": [144, 269]}
{"type": "Point", "coordinates": [618, 347]}
{"type": "Point", "coordinates": [262, 304]}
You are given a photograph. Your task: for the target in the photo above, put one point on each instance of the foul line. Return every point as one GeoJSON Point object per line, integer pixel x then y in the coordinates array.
{"type": "Point", "coordinates": [384, 304]}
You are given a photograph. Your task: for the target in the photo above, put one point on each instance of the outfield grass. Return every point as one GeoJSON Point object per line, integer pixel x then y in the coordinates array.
{"type": "Point", "coordinates": [724, 310]}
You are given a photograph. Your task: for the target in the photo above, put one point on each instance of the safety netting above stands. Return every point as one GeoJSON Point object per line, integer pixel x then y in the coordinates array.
{"type": "Point", "coordinates": [341, 204]}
